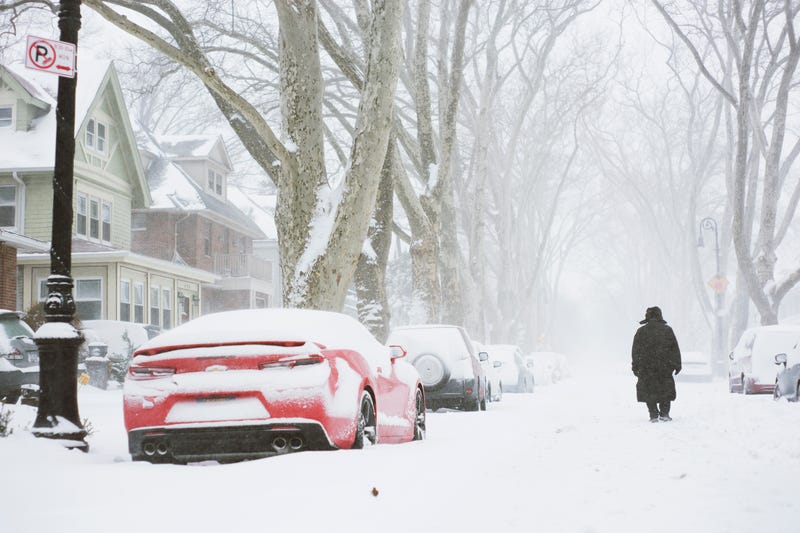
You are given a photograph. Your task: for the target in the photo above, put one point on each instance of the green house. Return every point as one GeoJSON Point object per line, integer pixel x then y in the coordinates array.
{"type": "Point", "coordinates": [111, 281]}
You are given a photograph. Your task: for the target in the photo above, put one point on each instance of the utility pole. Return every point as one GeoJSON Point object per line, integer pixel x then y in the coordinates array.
{"type": "Point", "coordinates": [58, 340]}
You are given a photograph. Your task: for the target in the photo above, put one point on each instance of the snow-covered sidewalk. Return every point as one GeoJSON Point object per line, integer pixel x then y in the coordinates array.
{"type": "Point", "coordinates": [578, 456]}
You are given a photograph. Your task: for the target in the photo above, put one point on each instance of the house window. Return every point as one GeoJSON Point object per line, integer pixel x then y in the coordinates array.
{"type": "Point", "coordinates": [154, 310]}
{"type": "Point", "coordinates": [138, 303]}
{"type": "Point", "coordinates": [6, 116]}
{"type": "Point", "coordinates": [166, 309]}
{"type": "Point", "coordinates": [89, 298]}
{"type": "Point", "coordinates": [80, 223]}
{"type": "Point", "coordinates": [125, 300]}
{"type": "Point", "coordinates": [96, 136]}
{"type": "Point", "coordinates": [207, 240]}
{"type": "Point", "coordinates": [8, 206]}
{"type": "Point", "coordinates": [215, 182]}
{"type": "Point", "coordinates": [139, 221]}
{"type": "Point", "coordinates": [94, 219]}
{"type": "Point", "coordinates": [106, 222]}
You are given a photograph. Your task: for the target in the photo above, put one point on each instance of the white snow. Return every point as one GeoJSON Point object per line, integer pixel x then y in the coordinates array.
{"type": "Point", "coordinates": [56, 330]}
{"type": "Point", "coordinates": [578, 456]}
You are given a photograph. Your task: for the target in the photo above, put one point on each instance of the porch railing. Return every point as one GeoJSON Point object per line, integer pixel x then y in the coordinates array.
{"type": "Point", "coordinates": [242, 266]}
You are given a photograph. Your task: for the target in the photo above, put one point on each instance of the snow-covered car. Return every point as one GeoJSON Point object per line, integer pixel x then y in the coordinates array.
{"type": "Point", "coordinates": [751, 367]}
{"type": "Point", "coordinates": [494, 383]}
{"type": "Point", "coordinates": [548, 367]}
{"type": "Point", "coordinates": [254, 383]}
{"type": "Point", "coordinates": [516, 373]}
{"type": "Point", "coordinates": [695, 366]}
{"type": "Point", "coordinates": [787, 382]}
{"type": "Point", "coordinates": [19, 356]}
{"type": "Point", "coordinates": [447, 363]}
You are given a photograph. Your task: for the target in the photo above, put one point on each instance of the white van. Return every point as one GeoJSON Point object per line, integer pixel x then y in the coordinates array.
{"type": "Point", "coordinates": [751, 365]}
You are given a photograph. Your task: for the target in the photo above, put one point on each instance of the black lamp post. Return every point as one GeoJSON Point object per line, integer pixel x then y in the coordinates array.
{"type": "Point", "coordinates": [58, 340]}
{"type": "Point", "coordinates": [709, 223]}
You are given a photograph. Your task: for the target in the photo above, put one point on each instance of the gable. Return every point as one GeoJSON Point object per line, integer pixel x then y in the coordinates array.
{"type": "Point", "coordinates": [105, 141]}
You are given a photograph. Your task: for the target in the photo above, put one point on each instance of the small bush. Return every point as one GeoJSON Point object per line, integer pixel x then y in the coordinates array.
{"type": "Point", "coordinates": [5, 422]}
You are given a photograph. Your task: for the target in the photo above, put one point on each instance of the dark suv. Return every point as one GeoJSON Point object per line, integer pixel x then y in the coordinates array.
{"type": "Point", "coordinates": [447, 363]}
{"type": "Point", "coordinates": [19, 356]}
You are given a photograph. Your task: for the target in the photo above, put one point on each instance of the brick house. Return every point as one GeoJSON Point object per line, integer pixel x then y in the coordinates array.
{"type": "Point", "coordinates": [111, 281]}
{"type": "Point", "coordinates": [191, 220]}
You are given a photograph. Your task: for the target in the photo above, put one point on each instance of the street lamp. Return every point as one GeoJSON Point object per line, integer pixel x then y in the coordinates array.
{"type": "Point", "coordinates": [718, 285]}
{"type": "Point", "coordinates": [58, 340]}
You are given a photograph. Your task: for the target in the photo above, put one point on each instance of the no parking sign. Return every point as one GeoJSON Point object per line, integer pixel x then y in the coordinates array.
{"type": "Point", "coordinates": [47, 55]}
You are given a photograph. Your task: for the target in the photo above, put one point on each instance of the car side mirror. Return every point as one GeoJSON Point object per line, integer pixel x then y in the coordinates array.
{"type": "Point", "coordinates": [730, 356]}
{"type": "Point", "coordinates": [483, 356]}
{"type": "Point", "coordinates": [397, 351]}
{"type": "Point", "coordinates": [780, 359]}
{"type": "Point", "coordinates": [497, 364]}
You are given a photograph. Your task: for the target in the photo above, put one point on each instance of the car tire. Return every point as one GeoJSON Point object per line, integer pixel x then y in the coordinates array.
{"type": "Point", "coordinates": [433, 371]}
{"type": "Point", "coordinates": [797, 393]}
{"type": "Point", "coordinates": [776, 394]}
{"type": "Point", "coordinates": [366, 428]}
{"type": "Point", "coordinates": [745, 388]}
{"type": "Point", "coordinates": [483, 404]}
{"type": "Point", "coordinates": [419, 416]}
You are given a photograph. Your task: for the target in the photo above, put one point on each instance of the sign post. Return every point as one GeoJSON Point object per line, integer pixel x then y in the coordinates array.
{"type": "Point", "coordinates": [58, 340]}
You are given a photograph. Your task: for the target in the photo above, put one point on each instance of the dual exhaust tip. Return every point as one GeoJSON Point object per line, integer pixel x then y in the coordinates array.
{"type": "Point", "coordinates": [287, 444]}
{"type": "Point", "coordinates": [154, 448]}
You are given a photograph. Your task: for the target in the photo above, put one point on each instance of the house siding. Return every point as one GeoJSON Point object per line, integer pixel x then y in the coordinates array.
{"type": "Point", "coordinates": [8, 277]}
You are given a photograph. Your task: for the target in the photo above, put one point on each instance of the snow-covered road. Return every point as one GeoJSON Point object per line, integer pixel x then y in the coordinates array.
{"type": "Point", "coordinates": [579, 456]}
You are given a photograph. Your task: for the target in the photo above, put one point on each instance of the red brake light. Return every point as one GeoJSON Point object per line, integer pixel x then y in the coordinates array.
{"type": "Point", "coordinates": [150, 372]}
{"type": "Point", "coordinates": [292, 362]}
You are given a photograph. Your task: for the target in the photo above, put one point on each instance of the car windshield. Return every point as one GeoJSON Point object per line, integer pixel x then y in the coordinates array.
{"type": "Point", "coordinates": [446, 342]}
{"type": "Point", "coordinates": [14, 327]}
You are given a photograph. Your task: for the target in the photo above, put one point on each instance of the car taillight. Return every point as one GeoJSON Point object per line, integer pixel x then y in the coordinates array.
{"type": "Point", "coordinates": [291, 363]}
{"type": "Point", "coordinates": [150, 372]}
{"type": "Point", "coordinates": [14, 355]}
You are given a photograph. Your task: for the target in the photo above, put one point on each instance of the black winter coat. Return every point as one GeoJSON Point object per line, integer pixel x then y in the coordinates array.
{"type": "Point", "coordinates": [655, 355]}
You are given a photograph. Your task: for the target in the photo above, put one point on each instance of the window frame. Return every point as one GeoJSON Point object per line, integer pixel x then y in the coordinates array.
{"type": "Point", "coordinates": [12, 204]}
{"type": "Point", "coordinates": [12, 118]}
{"type": "Point", "coordinates": [125, 300]}
{"type": "Point", "coordinates": [138, 302]}
{"type": "Point", "coordinates": [93, 140]}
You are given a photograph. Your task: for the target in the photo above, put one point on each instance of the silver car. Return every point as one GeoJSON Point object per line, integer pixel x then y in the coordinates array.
{"type": "Point", "coordinates": [19, 356]}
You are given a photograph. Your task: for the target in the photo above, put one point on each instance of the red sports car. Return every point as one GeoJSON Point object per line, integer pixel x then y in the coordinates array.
{"type": "Point", "coordinates": [254, 383]}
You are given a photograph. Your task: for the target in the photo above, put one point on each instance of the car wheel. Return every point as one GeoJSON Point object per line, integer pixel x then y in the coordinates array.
{"type": "Point", "coordinates": [745, 388]}
{"type": "Point", "coordinates": [500, 394]}
{"type": "Point", "coordinates": [483, 404]}
{"type": "Point", "coordinates": [432, 370]}
{"type": "Point", "coordinates": [797, 392]}
{"type": "Point", "coordinates": [419, 417]}
{"type": "Point", "coordinates": [776, 394]}
{"type": "Point", "coordinates": [366, 428]}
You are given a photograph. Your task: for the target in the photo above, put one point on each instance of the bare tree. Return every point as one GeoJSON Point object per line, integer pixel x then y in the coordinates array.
{"type": "Point", "coordinates": [760, 38]}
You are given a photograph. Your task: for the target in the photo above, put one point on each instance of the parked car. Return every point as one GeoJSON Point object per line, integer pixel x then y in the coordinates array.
{"type": "Point", "coordinates": [19, 356]}
{"type": "Point", "coordinates": [787, 382]}
{"type": "Point", "coordinates": [516, 373]}
{"type": "Point", "coordinates": [751, 367]}
{"type": "Point", "coordinates": [259, 382]}
{"type": "Point", "coordinates": [548, 367]}
{"type": "Point", "coordinates": [695, 366]}
{"type": "Point", "coordinates": [447, 363]}
{"type": "Point", "coordinates": [494, 384]}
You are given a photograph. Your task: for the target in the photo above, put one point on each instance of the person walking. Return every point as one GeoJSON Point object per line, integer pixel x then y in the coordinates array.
{"type": "Point", "coordinates": [655, 356]}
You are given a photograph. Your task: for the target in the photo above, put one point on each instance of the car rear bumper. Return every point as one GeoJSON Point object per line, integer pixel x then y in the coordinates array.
{"type": "Point", "coordinates": [456, 393]}
{"type": "Point", "coordinates": [191, 442]}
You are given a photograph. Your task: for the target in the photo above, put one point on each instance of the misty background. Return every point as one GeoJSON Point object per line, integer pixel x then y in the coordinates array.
{"type": "Point", "coordinates": [588, 146]}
